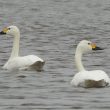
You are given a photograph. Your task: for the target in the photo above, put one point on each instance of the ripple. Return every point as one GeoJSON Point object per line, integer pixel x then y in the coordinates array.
{"type": "Point", "coordinates": [51, 29]}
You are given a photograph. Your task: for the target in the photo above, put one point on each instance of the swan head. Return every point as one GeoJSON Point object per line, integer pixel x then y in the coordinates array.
{"type": "Point", "coordinates": [86, 46]}
{"type": "Point", "coordinates": [10, 30]}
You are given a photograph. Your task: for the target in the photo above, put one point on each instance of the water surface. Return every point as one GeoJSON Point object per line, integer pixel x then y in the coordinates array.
{"type": "Point", "coordinates": [51, 29]}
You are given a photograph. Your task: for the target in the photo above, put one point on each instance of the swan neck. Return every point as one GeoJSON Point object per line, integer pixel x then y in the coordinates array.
{"type": "Point", "coordinates": [15, 49]}
{"type": "Point", "coordinates": [78, 60]}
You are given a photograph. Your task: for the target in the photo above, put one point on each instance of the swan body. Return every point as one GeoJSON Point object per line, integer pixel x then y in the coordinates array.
{"type": "Point", "coordinates": [84, 78]}
{"type": "Point", "coordinates": [17, 62]}
{"type": "Point", "coordinates": [23, 63]}
{"type": "Point", "coordinates": [96, 78]}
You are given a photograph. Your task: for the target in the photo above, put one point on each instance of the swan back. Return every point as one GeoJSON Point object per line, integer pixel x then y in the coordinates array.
{"type": "Point", "coordinates": [95, 78]}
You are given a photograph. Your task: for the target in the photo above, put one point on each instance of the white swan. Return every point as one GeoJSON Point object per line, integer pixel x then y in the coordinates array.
{"type": "Point", "coordinates": [17, 62]}
{"type": "Point", "coordinates": [84, 78]}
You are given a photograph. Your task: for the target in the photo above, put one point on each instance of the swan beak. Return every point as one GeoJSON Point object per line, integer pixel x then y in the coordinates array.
{"type": "Point", "coordinates": [1, 33]}
{"type": "Point", "coordinates": [4, 31]}
{"type": "Point", "coordinates": [94, 47]}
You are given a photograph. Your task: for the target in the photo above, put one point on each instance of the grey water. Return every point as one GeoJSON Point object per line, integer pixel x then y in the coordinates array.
{"type": "Point", "coordinates": [52, 29]}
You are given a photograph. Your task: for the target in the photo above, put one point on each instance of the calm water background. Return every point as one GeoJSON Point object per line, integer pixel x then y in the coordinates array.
{"type": "Point", "coordinates": [51, 29]}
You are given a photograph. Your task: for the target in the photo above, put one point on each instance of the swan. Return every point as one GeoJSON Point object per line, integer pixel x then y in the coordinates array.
{"type": "Point", "coordinates": [17, 62]}
{"type": "Point", "coordinates": [84, 78]}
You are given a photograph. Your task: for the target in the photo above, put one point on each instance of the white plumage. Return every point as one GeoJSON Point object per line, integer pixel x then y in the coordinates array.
{"type": "Point", "coordinates": [84, 78]}
{"type": "Point", "coordinates": [96, 75]}
{"type": "Point", "coordinates": [17, 62]}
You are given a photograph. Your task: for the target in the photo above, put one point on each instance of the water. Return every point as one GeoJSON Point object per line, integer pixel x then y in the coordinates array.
{"type": "Point", "coordinates": [51, 29]}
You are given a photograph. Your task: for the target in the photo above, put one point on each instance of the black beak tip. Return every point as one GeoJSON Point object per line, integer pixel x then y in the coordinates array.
{"type": "Point", "coordinates": [2, 33]}
{"type": "Point", "coordinates": [101, 49]}
{"type": "Point", "coordinates": [97, 48]}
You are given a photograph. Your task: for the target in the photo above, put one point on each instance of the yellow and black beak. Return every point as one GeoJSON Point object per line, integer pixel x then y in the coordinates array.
{"type": "Point", "coordinates": [4, 31]}
{"type": "Point", "coordinates": [94, 47]}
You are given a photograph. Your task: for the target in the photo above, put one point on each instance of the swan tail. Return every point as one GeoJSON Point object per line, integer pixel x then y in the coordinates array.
{"type": "Point", "coordinates": [97, 84]}
{"type": "Point", "coordinates": [38, 66]}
